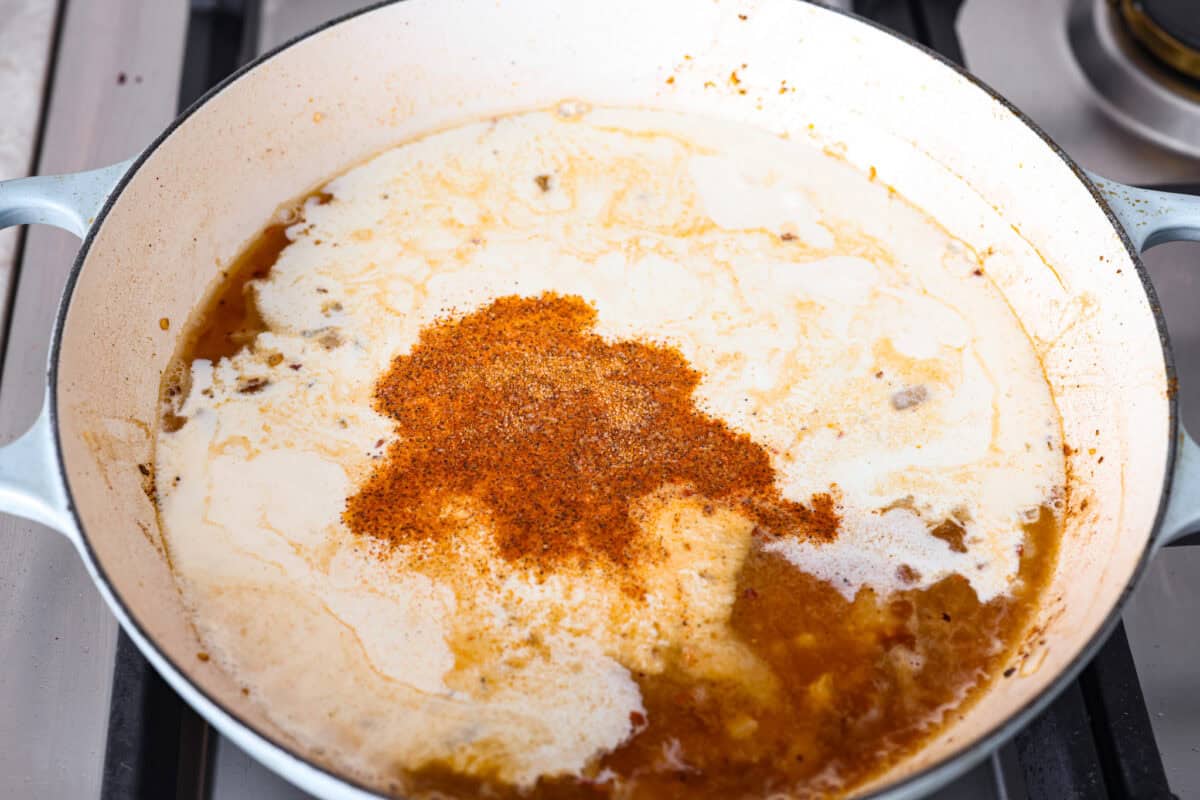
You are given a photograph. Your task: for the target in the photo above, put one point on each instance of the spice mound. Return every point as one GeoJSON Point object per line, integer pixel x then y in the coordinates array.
{"type": "Point", "coordinates": [521, 412]}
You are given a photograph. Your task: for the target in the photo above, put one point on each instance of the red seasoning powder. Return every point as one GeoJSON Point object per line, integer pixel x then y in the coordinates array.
{"type": "Point", "coordinates": [555, 434]}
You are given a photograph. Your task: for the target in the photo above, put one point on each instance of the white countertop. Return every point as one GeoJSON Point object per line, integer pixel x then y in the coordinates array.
{"type": "Point", "coordinates": [25, 39]}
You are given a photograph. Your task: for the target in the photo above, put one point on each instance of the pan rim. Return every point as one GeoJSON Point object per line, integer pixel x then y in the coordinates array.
{"type": "Point", "coordinates": [954, 763]}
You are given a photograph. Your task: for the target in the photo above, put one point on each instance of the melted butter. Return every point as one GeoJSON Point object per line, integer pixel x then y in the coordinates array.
{"type": "Point", "coordinates": [804, 296]}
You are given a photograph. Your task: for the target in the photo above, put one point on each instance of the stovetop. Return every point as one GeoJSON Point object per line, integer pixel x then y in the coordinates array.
{"type": "Point", "coordinates": [1129, 727]}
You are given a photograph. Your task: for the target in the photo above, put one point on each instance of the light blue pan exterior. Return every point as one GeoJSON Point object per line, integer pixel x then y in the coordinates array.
{"type": "Point", "coordinates": [1151, 218]}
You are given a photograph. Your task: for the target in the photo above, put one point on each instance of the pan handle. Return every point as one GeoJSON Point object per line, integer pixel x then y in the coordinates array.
{"type": "Point", "coordinates": [1151, 217]}
{"type": "Point", "coordinates": [69, 202]}
{"type": "Point", "coordinates": [31, 483]}
{"type": "Point", "coordinates": [1181, 522]}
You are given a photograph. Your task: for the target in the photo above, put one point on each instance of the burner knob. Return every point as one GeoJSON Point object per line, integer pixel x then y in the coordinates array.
{"type": "Point", "coordinates": [1169, 29]}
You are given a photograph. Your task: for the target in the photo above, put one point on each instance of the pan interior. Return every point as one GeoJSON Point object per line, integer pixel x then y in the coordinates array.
{"type": "Point", "coordinates": [382, 78]}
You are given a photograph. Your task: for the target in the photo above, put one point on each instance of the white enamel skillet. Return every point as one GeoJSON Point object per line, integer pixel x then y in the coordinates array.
{"type": "Point", "coordinates": [1064, 251]}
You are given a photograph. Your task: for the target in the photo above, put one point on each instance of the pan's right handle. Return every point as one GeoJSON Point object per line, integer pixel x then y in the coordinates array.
{"type": "Point", "coordinates": [1153, 217]}
{"type": "Point", "coordinates": [1149, 216]}
{"type": "Point", "coordinates": [1181, 522]}
{"type": "Point", "coordinates": [31, 482]}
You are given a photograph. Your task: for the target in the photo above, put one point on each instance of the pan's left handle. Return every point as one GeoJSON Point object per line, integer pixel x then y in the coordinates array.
{"type": "Point", "coordinates": [31, 483]}
{"type": "Point", "coordinates": [1152, 217]}
{"type": "Point", "coordinates": [70, 202]}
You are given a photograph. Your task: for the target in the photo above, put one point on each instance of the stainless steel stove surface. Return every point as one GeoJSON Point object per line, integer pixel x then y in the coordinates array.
{"type": "Point", "coordinates": [1049, 57]}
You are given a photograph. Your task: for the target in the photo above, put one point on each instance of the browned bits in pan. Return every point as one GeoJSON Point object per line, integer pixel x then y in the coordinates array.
{"type": "Point", "coordinates": [909, 397]}
{"type": "Point", "coordinates": [952, 534]}
{"type": "Point", "coordinates": [172, 422]}
{"type": "Point", "coordinates": [252, 385]}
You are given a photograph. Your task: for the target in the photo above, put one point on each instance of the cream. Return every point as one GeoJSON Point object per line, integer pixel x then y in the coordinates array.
{"type": "Point", "coordinates": [808, 296]}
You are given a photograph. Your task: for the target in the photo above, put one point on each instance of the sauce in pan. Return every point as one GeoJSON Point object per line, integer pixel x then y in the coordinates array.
{"type": "Point", "coordinates": [599, 452]}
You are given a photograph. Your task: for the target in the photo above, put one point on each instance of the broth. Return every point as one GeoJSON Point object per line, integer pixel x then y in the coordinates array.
{"type": "Point", "coordinates": [860, 677]}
